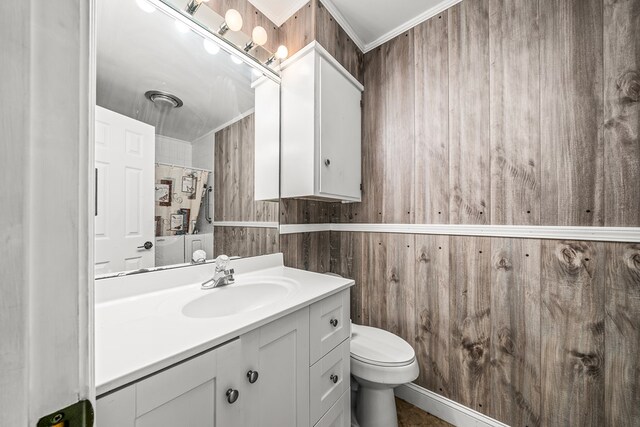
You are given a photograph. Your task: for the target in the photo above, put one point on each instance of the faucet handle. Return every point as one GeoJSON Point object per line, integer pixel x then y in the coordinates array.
{"type": "Point", "coordinates": [221, 263]}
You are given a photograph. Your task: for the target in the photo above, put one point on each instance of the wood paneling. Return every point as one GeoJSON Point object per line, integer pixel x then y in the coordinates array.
{"type": "Point", "coordinates": [515, 112]}
{"type": "Point", "coordinates": [298, 211]}
{"type": "Point", "coordinates": [245, 241]}
{"type": "Point", "coordinates": [469, 179]}
{"type": "Point", "coordinates": [432, 121]}
{"type": "Point", "coordinates": [233, 194]}
{"type": "Point", "coordinates": [470, 328]}
{"type": "Point", "coordinates": [346, 258]}
{"type": "Point", "coordinates": [432, 312]}
{"type": "Point", "coordinates": [515, 331]}
{"type": "Point", "coordinates": [307, 251]}
{"type": "Point", "coordinates": [622, 335]}
{"type": "Point", "coordinates": [337, 42]}
{"type": "Point", "coordinates": [387, 152]}
{"type": "Point", "coordinates": [572, 324]}
{"type": "Point", "coordinates": [622, 112]}
{"type": "Point", "coordinates": [389, 276]}
{"type": "Point", "coordinates": [299, 30]}
{"type": "Point", "coordinates": [571, 113]}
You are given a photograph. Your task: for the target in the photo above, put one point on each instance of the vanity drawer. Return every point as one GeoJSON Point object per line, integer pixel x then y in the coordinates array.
{"type": "Point", "coordinates": [340, 413]}
{"type": "Point", "coordinates": [330, 324]}
{"type": "Point", "coordinates": [329, 378]}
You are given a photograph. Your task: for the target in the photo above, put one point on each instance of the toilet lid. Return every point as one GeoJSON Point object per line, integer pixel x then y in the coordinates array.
{"type": "Point", "coordinates": [379, 347]}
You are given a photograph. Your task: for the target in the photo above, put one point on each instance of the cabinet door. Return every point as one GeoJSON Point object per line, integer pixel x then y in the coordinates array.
{"type": "Point", "coordinates": [190, 394]}
{"type": "Point", "coordinates": [279, 352]}
{"type": "Point", "coordinates": [340, 135]}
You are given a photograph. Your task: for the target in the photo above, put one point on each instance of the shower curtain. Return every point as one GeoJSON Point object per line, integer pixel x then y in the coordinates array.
{"type": "Point", "coordinates": [178, 196]}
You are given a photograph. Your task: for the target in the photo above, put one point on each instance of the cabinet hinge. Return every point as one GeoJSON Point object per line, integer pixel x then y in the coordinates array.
{"type": "Point", "coordinates": [360, 186]}
{"type": "Point", "coordinates": [361, 103]}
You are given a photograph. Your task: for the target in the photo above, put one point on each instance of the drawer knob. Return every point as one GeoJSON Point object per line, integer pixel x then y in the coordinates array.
{"type": "Point", "coordinates": [232, 395]}
{"type": "Point", "coordinates": [333, 322]}
{"type": "Point", "coordinates": [334, 378]}
{"type": "Point", "coordinates": [252, 376]}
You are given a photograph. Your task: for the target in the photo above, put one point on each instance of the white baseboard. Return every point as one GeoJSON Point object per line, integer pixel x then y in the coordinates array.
{"type": "Point", "coordinates": [443, 408]}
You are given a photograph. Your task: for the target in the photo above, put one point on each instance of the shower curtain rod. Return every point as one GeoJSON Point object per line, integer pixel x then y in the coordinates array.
{"type": "Point", "coordinates": [183, 167]}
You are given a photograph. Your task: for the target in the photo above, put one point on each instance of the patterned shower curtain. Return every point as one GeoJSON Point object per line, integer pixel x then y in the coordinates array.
{"type": "Point", "coordinates": [178, 196]}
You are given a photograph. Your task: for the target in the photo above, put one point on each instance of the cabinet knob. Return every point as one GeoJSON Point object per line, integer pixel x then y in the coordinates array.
{"type": "Point", "coordinates": [327, 162]}
{"type": "Point", "coordinates": [232, 395]}
{"type": "Point", "coordinates": [333, 322]}
{"type": "Point", "coordinates": [334, 378]}
{"type": "Point", "coordinates": [253, 376]}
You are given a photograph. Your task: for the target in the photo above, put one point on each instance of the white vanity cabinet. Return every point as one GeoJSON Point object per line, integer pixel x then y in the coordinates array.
{"type": "Point", "coordinates": [268, 377]}
{"type": "Point", "coordinates": [320, 128]}
{"type": "Point", "coordinates": [191, 393]}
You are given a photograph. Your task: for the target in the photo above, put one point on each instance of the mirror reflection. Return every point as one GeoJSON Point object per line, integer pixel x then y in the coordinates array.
{"type": "Point", "coordinates": [187, 145]}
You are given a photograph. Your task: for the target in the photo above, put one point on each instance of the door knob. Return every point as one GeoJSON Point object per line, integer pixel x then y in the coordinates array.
{"type": "Point", "coordinates": [334, 378]}
{"type": "Point", "coordinates": [253, 376]}
{"type": "Point", "coordinates": [333, 322]}
{"type": "Point", "coordinates": [147, 246]}
{"type": "Point", "coordinates": [232, 395]}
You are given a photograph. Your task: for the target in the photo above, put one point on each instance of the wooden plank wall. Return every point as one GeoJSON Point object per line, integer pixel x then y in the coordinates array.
{"type": "Point", "coordinates": [503, 112]}
{"type": "Point", "coordinates": [233, 198]}
{"type": "Point", "coordinates": [246, 241]}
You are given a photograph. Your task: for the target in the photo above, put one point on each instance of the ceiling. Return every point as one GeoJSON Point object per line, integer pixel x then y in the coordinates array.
{"type": "Point", "coordinates": [139, 51]}
{"type": "Point", "coordinates": [369, 23]}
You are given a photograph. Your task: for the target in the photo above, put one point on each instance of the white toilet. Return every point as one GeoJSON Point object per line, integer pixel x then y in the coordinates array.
{"type": "Point", "coordinates": [380, 361]}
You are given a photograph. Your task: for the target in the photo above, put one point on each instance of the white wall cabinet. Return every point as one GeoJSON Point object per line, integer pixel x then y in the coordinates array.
{"type": "Point", "coordinates": [265, 378]}
{"type": "Point", "coordinates": [267, 140]}
{"type": "Point", "coordinates": [321, 119]}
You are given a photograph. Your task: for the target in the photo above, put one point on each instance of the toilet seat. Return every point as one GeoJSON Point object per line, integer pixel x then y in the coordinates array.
{"type": "Point", "coordinates": [377, 347]}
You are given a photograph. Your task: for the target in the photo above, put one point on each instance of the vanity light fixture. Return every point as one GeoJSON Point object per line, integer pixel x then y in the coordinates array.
{"type": "Point", "coordinates": [258, 38]}
{"type": "Point", "coordinates": [193, 6]}
{"type": "Point", "coordinates": [232, 21]}
{"type": "Point", "coordinates": [280, 54]}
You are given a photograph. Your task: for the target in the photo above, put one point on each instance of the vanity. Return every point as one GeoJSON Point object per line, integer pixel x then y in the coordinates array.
{"type": "Point", "coordinates": [271, 349]}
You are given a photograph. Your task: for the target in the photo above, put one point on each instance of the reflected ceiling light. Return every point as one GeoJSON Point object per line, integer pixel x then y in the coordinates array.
{"type": "Point", "coordinates": [163, 99]}
{"type": "Point", "coordinates": [258, 38]}
{"type": "Point", "coordinates": [210, 47]}
{"type": "Point", "coordinates": [232, 21]}
{"type": "Point", "coordinates": [280, 54]}
{"type": "Point", "coordinates": [236, 60]}
{"type": "Point", "coordinates": [181, 27]}
{"type": "Point", "coordinates": [146, 6]}
{"type": "Point", "coordinates": [193, 6]}
{"type": "Point", "coordinates": [256, 72]}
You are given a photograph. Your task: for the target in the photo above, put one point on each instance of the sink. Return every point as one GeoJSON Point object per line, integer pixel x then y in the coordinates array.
{"type": "Point", "coordinates": [238, 298]}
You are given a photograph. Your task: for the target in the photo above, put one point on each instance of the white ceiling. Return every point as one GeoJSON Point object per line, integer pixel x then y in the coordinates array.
{"type": "Point", "coordinates": [369, 23]}
{"type": "Point", "coordinates": [139, 51]}
{"type": "Point", "coordinates": [278, 11]}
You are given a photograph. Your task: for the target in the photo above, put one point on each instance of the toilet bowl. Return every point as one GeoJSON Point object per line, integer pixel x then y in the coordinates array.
{"type": "Point", "coordinates": [380, 361]}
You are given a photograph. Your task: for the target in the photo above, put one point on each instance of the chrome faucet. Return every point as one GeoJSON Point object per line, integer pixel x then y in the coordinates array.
{"type": "Point", "coordinates": [223, 275]}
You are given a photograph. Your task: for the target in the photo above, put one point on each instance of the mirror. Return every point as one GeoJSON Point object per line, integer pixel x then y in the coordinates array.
{"type": "Point", "coordinates": [186, 147]}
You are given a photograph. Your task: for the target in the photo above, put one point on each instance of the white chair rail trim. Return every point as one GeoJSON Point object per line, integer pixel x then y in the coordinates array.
{"type": "Point", "coordinates": [602, 234]}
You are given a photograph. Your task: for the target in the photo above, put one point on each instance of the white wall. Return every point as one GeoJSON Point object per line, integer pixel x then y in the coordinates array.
{"type": "Point", "coordinates": [46, 275]}
{"type": "Point", "coordinates": [173, 151]}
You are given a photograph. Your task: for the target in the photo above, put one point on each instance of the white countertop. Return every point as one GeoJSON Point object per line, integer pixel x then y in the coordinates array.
{"type": "Point", "coordinates": [140, 327]}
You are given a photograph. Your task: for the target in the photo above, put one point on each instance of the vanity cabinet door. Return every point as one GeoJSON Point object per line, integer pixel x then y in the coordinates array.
{"type": "Point", "coordinates": [279, 352]}
{"type": "Point", "coordinates": [190, 394]}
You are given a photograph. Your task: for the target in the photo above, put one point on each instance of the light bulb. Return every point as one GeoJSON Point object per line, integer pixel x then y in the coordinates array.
{"type": "Point", "coordinates": [259, 36]}
{"type": "Point", "coordinates": [181, 27]}
{"type": "Point", "coordinates": [282, 52]}
{"type": "Point", "coordinates": [236, 60]}
{"type": "Point", "coordinates": [233, 20]}
{"type": "Point", "coordinates": [145, 6]}
{"type": "Point", "coordinates": [211, 47]}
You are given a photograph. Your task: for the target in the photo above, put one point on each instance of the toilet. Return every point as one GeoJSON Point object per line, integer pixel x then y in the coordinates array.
{"type": "Point", "coordinates": [380, 361]}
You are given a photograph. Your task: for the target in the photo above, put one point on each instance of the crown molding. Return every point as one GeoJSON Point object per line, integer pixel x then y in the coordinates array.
{"type": "Point", "coordinates": [341, 20]}
{"type": "Point", "coordinates": [275, 17]}
{"type": "Point", "coordinates": [429, 13]}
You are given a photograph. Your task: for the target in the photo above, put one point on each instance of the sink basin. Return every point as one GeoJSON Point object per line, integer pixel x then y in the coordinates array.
{"type": "Point", "coordinates": [237, 298]}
